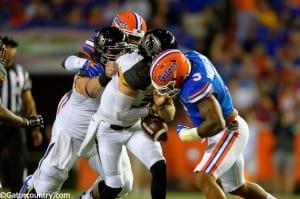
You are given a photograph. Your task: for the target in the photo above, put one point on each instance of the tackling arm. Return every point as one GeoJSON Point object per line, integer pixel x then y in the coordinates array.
{"type": "Point", "coordinates": [89, 87]}
{"type": "Point", "coordinates": [214, 121]}
{"type": "Point", "coordinates": [92, 86]}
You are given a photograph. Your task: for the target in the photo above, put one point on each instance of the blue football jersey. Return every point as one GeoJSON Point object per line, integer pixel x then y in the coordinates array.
{"type": "Point", "coordinates": [203, 81]}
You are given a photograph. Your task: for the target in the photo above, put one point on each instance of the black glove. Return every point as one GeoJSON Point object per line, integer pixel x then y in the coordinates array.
{"type": "Point", "coordinates": [34, 121]}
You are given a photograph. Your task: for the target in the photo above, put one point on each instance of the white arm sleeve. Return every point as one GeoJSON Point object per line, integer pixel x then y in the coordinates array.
{"type": "Point", "coordinates": [122, 109]}
{"type": "Point", "coordinates": [73, 63]}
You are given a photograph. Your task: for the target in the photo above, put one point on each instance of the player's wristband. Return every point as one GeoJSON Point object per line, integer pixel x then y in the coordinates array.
{"type": "Point", "coordinates": [103, 80]}
{"type": "Point", "coordinates": [190, 134]}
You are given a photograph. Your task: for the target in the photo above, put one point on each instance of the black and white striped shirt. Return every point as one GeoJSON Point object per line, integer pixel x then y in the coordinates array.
{"type": "Point", "coordinates": [16, 82]}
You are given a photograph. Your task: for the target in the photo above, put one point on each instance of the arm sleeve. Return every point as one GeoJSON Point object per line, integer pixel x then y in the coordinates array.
{"type": "Point", "coordinates": [74, 63]}
{"type": "Point", "coordinates": [122, 108]}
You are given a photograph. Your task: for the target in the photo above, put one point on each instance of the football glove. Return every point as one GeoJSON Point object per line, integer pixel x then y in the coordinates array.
{"type": "Point", "coordinates": [187, 134]}
{"type": "Point", "coordinates": [33, 121]}
{"type": "Point", "coordinates": [233, 126]}
{"type": "Point", "coordinates": [92, 69]}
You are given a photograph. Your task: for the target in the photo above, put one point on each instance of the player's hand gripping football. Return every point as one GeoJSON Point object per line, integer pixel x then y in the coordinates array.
{"type": "Point", "coordinates": [33, 121]}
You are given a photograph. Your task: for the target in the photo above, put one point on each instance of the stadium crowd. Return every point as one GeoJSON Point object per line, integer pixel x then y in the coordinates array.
{"type": "Point", "coordinates": [254, 44]}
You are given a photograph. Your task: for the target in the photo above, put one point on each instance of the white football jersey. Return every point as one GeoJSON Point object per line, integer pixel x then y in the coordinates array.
{"type": "Point", "coordinates": [74, 113]}
{"type": "Point", "coordinates": [105, 111]}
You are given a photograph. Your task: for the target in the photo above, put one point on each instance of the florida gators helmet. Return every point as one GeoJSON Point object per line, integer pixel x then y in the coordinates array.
{"type": "Point", "coordinates": [168, 72]}
{"type": "Point", "coordinates": [132, 24]}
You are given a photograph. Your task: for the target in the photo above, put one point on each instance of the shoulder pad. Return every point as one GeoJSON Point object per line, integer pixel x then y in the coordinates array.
{"type": "Point", "coordinates": [135, 73]}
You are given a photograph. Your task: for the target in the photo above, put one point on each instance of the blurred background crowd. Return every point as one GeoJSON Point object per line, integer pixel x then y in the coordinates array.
{"type": "Point", "coordinates": [254, 44]}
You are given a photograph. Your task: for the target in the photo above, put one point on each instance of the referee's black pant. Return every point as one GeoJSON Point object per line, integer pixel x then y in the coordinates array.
{"type": "Point", "coordinates": [13, 156]}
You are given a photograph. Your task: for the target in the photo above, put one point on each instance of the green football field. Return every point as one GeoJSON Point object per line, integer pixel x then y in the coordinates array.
{"type": "Point", "coordinates": [180, 195]}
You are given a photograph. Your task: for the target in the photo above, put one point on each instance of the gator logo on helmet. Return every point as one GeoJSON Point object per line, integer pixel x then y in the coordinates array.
{"type": "Point", "coordinates": [169, 71]}
{"type": "Point", "coordinates": [120, 23]}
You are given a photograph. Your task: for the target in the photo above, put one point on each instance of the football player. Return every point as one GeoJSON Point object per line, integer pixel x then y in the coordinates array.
{"type": "Point", "coordinates": [134, 26]}
{"type": "Point", "coordinates": [6, 116]}
{"type": "Point", "coordinates": [74, 111]}
{"type": "Point", "coordinates": [208, 103]}
{"type": "Point", "coordinates": [130, 22]}
{"type": "Point", "coordinates": [124, 102]}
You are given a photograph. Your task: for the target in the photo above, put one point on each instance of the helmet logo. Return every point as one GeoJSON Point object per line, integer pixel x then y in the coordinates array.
{"type": "Point", "coordinates": [120, 23]}
{"type": "Point", "coordinates": [166, 74]}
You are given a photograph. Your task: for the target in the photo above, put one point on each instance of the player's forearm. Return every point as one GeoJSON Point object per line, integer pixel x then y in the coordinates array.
{"type": "Point", "coordinates": [90, 87]}
{"type": "Point", "coordinates": [94, 88]}
{"type": "Point", "coordinates": [8, 117]}
{"type": "Point", "coordinates": [213, 120]}
{"type": "Point", "coordinates": [210, 128]}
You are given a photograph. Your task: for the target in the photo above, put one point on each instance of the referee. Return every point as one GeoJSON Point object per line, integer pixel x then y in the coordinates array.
{"type": "Point", "coordinates": [16, 96]}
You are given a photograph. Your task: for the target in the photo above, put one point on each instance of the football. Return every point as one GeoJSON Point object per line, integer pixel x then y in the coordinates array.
{"type": "Point", "coordinates": [155, 127]}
